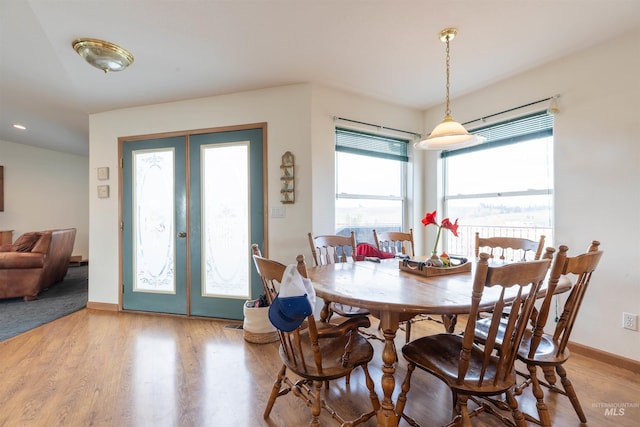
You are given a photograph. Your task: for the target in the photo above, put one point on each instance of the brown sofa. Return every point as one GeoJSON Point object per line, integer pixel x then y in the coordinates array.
{"type": "Point", "coordinates": [35, 261]}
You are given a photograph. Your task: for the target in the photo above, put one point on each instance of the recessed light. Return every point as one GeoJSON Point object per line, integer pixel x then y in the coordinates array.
{"type": "Point", "coordinates": [17, 126]}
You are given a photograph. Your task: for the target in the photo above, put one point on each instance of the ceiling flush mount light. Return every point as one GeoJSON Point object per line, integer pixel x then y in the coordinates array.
{"type": "Point", "coordinates": [449, 134]}
{"type": "Point", "coordinates": [103, 55]}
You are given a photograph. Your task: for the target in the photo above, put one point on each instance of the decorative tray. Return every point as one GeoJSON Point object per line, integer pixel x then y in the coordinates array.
{"type": "Point", "coordinates": [422, 268]}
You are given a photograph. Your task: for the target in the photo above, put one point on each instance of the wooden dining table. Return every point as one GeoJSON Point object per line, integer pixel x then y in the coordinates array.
{"type": "Point", "coordinates": [393, 295]}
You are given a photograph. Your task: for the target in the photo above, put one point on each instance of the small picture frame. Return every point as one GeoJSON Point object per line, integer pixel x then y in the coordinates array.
{"type": "Point", "coordinates": [103, 191]}
{"type": "Point", "coordinates": [103, 173]}
{"type": "Point", "coordinates": [287, 179]}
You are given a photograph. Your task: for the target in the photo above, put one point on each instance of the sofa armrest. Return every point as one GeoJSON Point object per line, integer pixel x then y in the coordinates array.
{"type": "Point", "coordinates": [21, 260]}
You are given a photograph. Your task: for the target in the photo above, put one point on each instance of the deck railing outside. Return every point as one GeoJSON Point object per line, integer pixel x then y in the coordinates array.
{"type": "Point", "coordinates": [465, 243]}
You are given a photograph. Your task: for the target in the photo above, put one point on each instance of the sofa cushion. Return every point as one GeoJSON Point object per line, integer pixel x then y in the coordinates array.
{"type": "Point", "coordinates": [7, 248]}
{"type": "Point", "coordinates": [26, 242]}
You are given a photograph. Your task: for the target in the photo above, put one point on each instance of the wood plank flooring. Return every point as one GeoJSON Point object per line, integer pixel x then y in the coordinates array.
{"type": "Point", "coordinates": [98, 368]}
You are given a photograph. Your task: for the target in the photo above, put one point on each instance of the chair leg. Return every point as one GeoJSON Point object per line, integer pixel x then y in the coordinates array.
{"type": "Point", "coordinates": [571, 393]}
{"type": "Point", "coordinates": [549, 376]}
{"type": "Point", "coordinates": [406, 385]}
{"type": "Point", "coordinates": [316, 405]}
{"type": "Point", "coordinates": [518, 418]}
{"type": "Point", "coordinates": [463, 409]}
{"type": "Point", "coordinates": [275, 391]}
{"type": "Point", "coordinates": [375, 402]}
{"type": "Point", "coordinates": [543, 412]}
{"type": "Point", "coordinates": [326, 313]}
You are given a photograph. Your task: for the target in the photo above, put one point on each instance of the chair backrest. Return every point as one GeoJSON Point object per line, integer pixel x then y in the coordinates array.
{"type": "Point", "coordinates": [582, 266]}
{"type": "Point", "coordinates": [331, 249]}
{"type": "Point", "coordinates": [510, 248]}
{"type": "Point", "coordinates": [395, 242]}
{"type": "Point", "coordinates": [271, 273]}
{"type": "Point", "coordinates": [518, 283]}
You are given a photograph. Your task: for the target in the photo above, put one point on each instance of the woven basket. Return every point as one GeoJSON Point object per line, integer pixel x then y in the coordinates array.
{"type": "Point", "coordinates": [257, 328]}
{"type": "Point", "coordinates": [260, 337]}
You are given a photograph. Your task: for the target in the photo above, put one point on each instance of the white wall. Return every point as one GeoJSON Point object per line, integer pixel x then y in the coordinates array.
{"type": "Point", "coordinates": [328, 104]}
{"type": "Point", "coordinates": [288, 113]}
{"type": "Point", "coordinates": [45, 189]}
{"type": "Point", "coordinates": [597, 173]}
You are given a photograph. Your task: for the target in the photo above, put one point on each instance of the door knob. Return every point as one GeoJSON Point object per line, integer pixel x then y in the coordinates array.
{"type": "Point", "coordinates": [182, 234]}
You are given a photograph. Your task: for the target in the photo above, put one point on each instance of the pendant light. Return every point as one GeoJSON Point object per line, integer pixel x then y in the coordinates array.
{"type": "Point", "coordinates": [449, 134]}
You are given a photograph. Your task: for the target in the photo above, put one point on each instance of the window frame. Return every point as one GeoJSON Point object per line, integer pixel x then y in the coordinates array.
{"type": "Point", "coordinates": [538, 125]}
{"type": "Point", "coordinates": [396, 151]}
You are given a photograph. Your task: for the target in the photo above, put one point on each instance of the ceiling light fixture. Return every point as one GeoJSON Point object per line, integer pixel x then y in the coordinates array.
{"type": "Point", "coordinates": [104, 55]}
{"type": "Point", "coordinates": [19, 126]}
{"type": "Point", "coordinates": [449, 134]}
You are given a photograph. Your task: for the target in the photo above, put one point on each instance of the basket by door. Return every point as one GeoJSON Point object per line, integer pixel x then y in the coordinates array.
{"type": "Point", "coordinates": [257, 328]}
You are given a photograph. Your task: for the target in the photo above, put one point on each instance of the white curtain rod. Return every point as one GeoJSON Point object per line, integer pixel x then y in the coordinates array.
{"type": "Point", "coordinates": [380, 127]}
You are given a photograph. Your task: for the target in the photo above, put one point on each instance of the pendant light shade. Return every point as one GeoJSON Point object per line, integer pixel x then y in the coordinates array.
{"type": "Point", "coordinates": [449, 134]}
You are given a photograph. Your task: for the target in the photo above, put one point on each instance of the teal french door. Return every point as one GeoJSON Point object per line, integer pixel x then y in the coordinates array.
{"type": "Point", "coordinates": [191, 207]}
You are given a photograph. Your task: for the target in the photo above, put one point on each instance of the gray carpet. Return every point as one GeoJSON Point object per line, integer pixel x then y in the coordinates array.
{"type": "Point", "coordinates": [70, 295]}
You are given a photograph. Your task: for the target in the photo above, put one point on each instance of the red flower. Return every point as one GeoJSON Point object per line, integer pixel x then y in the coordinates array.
{"type": "Point", "coordinates": [446, 223]}
{"type": "Point", "coordinates": [429, 218]}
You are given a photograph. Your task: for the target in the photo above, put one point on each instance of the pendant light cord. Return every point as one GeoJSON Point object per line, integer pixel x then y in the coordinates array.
{"type": "Point", "coordinates": [447, 111]}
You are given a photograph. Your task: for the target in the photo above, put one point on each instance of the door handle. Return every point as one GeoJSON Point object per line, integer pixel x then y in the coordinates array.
{"type": "Point", "coordinates": [182, 234]}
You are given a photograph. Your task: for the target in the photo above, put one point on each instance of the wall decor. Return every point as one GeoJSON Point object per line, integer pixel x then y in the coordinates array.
{"type": "Point", "coordinates": [103, 173]}
{"type": "Point", "coordinates": [287, 194]}
{"type": "Point", "coordinates": [103, 191]}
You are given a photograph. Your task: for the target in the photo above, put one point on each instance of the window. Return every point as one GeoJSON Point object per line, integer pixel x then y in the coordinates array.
{"type": "Point", "coordinates": [370, 183]}
{"type": "Point", "coordinates": [503, 187]}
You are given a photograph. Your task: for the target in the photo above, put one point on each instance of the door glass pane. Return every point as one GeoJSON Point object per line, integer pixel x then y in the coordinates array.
{"type": "Point", "coordinates": [225, 219]}
{"type": "Point", "coordinates": [154, 221]}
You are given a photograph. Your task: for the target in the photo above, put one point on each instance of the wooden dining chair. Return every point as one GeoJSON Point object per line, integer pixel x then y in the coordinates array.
{"type": "Point", "coordinates": [510, 248]}
{"type": "Point", "coordinates": [331, 249]}
{"type": "Point", "coordinates": [395, 242]}
{"type": "Point", "coordinates": [472, 371]}
{"type": "Point", "coordinates": [547, 351]}
{"type": "Point", "coordinates": [315, 352]}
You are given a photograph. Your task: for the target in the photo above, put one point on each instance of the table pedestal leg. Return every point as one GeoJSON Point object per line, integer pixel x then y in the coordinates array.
{"type": "Point", "coordinates": [387, 415]}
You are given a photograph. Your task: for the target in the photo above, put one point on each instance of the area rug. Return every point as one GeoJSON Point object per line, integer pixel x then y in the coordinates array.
{"type": "Point", "coordinates": [70, 295]}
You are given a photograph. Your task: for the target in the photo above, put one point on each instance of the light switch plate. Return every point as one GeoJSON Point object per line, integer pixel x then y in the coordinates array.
{"type": "Point", "coordinates": [103, 191]}
{"type": "Point", "coordinates": [278, 212]}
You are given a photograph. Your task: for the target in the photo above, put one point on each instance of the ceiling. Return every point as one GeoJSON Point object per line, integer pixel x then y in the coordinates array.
{"type": "Point", "coordinates": [187, 49]}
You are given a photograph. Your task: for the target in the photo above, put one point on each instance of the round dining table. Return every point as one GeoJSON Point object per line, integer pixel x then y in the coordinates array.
{"type": "Point", "coordinates": [394, 295]}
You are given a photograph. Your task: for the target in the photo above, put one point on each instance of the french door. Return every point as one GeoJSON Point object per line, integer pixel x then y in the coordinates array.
{"type": "Point", "coordinates": [191, 207]}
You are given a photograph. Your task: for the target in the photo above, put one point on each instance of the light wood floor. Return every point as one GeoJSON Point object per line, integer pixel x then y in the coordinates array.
{"type": "Point", "coordinates": [96, 368]}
